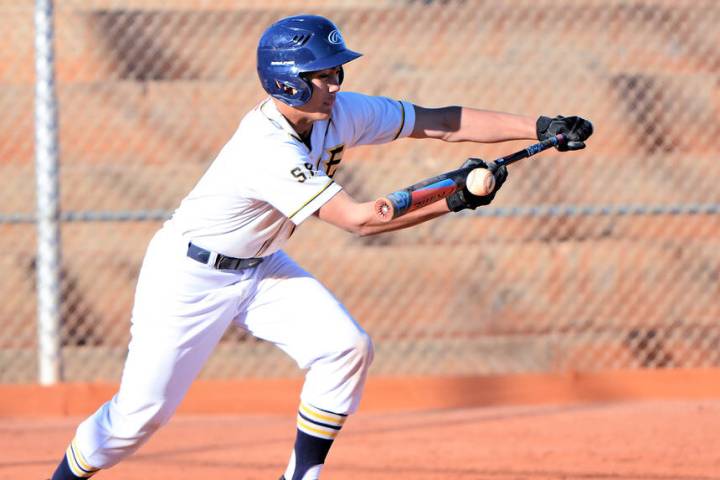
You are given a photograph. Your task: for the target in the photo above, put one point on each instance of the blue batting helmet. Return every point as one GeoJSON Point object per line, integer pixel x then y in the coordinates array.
{"type": "Point", "coordinates": [296, 45]}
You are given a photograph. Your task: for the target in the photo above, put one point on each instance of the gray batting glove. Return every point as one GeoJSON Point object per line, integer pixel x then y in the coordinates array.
{"type": "Point", "coordinates": [575, 129]}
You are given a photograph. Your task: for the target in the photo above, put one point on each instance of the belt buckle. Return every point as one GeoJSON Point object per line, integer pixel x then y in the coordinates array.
{"type": "Point", "coordinates": [214, 259]}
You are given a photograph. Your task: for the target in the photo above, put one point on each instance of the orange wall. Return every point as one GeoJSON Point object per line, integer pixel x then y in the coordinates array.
{"type": "Point", "coordinates": [386, 394]}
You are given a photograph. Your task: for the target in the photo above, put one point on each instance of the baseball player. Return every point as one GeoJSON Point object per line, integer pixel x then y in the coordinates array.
{"type": "Point", "coordinates": [219, 260]}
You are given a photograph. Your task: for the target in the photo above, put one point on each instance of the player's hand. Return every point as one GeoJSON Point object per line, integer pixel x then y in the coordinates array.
{"type": "Point", "coordinates": [575, 129]}
{"type": "Point", "coordinates": [463, 199]}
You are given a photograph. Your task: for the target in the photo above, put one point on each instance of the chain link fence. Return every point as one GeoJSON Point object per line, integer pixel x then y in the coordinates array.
{"type": "Point", "coordinates": [601, 259]}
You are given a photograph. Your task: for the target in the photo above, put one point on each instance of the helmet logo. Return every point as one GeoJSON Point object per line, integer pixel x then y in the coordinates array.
{"type": "Point", "coordinates": [335, 38]}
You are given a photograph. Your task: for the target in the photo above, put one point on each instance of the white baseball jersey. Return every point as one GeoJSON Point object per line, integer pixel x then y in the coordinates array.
{"type": "Point", "coordinates": [266, 181]}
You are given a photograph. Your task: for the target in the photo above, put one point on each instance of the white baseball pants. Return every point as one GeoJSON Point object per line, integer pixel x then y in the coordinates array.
{"type": "Point", "coordinates": [182, 308]}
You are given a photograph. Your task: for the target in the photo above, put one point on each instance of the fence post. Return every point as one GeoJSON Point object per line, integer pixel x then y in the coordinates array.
{"type": "Point", "coordinates": [48, 208]}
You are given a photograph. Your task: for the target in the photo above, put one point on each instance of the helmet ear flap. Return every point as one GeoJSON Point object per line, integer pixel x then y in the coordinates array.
{"type": "Point", "coordinates": [293, 91]}
{"type": "Point", "coordinates": [286, 88]}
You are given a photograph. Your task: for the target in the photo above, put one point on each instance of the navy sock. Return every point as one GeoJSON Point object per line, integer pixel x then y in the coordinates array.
{"type": "Point", "coordinates": [309, 452]}
{"type": "Point", "coordinates": [316, 430]}
{"type": "Point", "coordinates": [73, 465]}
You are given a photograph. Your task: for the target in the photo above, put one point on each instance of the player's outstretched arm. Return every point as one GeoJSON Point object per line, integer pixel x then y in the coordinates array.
{"type": "Point", "coordinates": [359, 217]}
{"type": "Point", "coordinates": [464, 124]}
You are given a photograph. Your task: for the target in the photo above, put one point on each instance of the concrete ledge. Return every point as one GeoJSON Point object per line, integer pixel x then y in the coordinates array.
{"type": "Point", "coordinates": [386, 394]}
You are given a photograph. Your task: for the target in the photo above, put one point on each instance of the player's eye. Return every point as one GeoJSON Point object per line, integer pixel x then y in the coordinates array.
{"type": "Point", "coordinates": [326, 74]}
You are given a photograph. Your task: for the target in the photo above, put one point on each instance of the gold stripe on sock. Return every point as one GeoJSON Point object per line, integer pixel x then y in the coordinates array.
{"type": "Point", "coordinates": [322, 416]}
{"type": "Point", "coordinates": [316, 430]}
{"type": "Point", "coordinates": [77, 463]}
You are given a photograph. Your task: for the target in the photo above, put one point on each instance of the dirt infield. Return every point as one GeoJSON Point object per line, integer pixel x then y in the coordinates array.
{"type": "Point", "coordinates": [632, 425]}
{"type": "Point", "coordinates": [651, 440]}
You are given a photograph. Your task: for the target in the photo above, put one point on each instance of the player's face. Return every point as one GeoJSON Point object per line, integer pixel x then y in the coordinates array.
{"type": "Point", "coordinates": [325, 84]}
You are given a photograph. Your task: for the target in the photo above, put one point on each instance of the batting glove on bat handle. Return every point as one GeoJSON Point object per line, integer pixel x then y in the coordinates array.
{"type": "Point", "coordinates": [462, 199]}
{"type": "Point", "coordinates": [575, 130]}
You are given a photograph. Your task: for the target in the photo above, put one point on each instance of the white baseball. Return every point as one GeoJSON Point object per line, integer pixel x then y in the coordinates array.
{"type": "Point", "coordinates": [480, 182]}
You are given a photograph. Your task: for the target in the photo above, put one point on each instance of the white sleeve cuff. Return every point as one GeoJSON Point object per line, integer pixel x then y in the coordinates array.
{"type": "Point", "coordinates": [408, 119]}
{"type": "Point", "coordinates": [315, 203]}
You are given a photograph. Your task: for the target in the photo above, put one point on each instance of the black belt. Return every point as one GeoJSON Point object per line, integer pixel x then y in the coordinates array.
{"type": "Point", "coordinates": [221, 262]}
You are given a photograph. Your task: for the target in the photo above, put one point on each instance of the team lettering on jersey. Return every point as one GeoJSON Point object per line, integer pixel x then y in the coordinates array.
{"type": "Point", "coordinates": [335, 155]}
{"type": "Point", "coordinates": [302, 174]}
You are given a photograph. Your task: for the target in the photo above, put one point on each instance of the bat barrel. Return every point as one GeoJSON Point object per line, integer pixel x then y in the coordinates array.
{"type": "Point", "coordinates": [419, 195]}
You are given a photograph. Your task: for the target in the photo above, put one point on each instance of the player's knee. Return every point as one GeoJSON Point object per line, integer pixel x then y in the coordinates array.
{"type": "Point", "coordinates": [154, 423]}
{"type": "Point", "coordinates": [362, 350]}
{"type": "Point", "coordinates": [140, 424]}
{"type": "Point", "coordinates": [369, 349]}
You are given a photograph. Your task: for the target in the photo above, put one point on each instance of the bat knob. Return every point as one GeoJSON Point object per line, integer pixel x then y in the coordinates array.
{"type": "Point", "coordinates": [384, 210]}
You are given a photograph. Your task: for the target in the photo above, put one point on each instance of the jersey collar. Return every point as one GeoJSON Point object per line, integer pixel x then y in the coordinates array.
{"type": "Point", "coordinates": [269, 109]}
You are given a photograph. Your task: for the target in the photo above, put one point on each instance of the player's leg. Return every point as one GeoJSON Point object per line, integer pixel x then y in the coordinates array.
{"type": "Point", "coordinates": [181, 311]}
{"type": "Point", "coordinates": [297, 313]}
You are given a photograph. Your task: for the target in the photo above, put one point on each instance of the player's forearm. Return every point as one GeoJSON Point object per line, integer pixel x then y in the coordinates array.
{"type": "Point", "coordinates": [360, 218]}
{"type": "Point", "coordinates": [485, 126]}
{"type": "Point", "coordinates": [465, 124]}
{"type": "Point", "coordinates": [372, 226]}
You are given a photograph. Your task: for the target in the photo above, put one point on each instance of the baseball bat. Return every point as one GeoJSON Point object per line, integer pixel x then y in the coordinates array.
{"type": "Point", "coordinates": [479, 181]}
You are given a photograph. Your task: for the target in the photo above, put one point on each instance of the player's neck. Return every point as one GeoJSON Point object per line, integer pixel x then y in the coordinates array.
{"type": "Point", "coordinates": [300, 121]}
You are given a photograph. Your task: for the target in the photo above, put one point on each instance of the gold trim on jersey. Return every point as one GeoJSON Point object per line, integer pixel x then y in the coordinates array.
{"type": "Point", "coordinates": [402, 120]}
{"type": "Point", "coordinates": [311, 199]}
{"type": "Point", "coordinates": [323, 149]}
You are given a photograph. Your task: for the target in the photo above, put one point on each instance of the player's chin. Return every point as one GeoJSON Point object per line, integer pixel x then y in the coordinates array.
{"type": "Point", "coordinates": [323, 113]}
{"type": "Point", "coordinates": [326, 107]}
{"type": "Point", "coordinates": [318, 113]}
